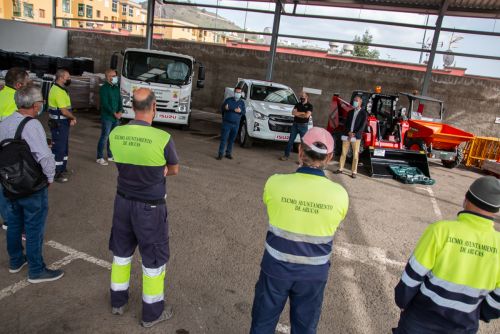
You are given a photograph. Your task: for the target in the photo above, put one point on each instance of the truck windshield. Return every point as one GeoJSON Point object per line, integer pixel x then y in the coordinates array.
{"type": "Point", "coordinates": [273, 94]}
{"type": "Point", "coordinates": [157, 68]}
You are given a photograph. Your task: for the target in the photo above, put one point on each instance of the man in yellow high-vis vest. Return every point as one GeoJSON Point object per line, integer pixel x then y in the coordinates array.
{"type": "Point", "coordinates": [452, 279]}
{"type": "Point", "coordinates": [16, 78]}
{"type": "Point", "coordinates": [144, 156]}
{"type": "Point", "coordinates": [304, 208]}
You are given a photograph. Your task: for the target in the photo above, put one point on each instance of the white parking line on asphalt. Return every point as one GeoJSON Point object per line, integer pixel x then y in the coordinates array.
{"type": "Point", "coordinates": [79, 255]}
{"type": "Point", "coordinates": [73, 254]}
{"type": "Point", "coordinates": [435, 205]}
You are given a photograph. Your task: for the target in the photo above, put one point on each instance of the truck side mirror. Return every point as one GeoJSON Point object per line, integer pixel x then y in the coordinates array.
{"type": "Point", "coordinates": [201, 76]}
{"type": "Point", "coordinates": [113, 64]}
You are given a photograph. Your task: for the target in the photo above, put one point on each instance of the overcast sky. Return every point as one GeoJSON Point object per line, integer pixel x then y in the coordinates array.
{"type": "Point", "coordinates": [382, 34]}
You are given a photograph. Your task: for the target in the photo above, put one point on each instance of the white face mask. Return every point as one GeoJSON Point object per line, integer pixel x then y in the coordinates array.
{"type": "Point", "coordinates": [114, 80]}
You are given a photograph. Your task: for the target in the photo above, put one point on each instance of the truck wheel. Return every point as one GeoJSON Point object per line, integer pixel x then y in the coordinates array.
{"type": "Point", "coordinates": [454, 163]}
{"type": "Point", "coordinates": [185, 127]}
{"type": "Point", "coordinates": [245, 140]}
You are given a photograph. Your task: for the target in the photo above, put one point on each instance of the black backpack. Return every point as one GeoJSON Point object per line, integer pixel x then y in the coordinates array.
{"type": "Point", "coordinates": [20, 174]}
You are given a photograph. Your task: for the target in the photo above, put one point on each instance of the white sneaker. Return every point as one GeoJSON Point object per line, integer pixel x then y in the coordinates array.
{"type": "Point", "coordinates": [102, 162]}
{"type": "Point", "coordinates": [111, 159]}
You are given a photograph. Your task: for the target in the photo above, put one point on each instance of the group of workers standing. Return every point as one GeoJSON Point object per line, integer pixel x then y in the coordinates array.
{"type": "Point", "coordinates": [451, 281]}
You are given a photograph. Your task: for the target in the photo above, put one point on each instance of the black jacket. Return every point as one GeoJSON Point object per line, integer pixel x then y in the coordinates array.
{"type": "Point", "coordinates": [359, 124]}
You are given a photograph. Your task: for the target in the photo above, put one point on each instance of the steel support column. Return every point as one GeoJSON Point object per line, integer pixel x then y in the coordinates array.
{"type": "Point", "coordinates": [435, 40]}
{"type": "Point", "coordinates": [54, 13]}
{"type": "Point", "coordinates": [149, 23]}
{"type": "Point", "coordinates": [274, 40]}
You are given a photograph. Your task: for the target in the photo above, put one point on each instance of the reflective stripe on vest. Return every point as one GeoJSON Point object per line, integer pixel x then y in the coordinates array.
{"type": "Point", "coordinates": [139, 145]}
{"type": "Point", "coordinates": [304, 212]}
{"type": "Point", "coordinates": [311, 260]}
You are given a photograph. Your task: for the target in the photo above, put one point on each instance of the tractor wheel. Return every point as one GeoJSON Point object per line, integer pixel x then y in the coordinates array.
{"type": "Point", "coordinates": [244, 138]}
{"type": "Point", "coordinates": [416, 145]}
{"type": "Point", "coordinates": [457, 161]}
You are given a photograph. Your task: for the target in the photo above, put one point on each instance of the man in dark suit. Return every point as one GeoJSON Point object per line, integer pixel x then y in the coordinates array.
{"type": "Point", "coordinates": [354, 127]}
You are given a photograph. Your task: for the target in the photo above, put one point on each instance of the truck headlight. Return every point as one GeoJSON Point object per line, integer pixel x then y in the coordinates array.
{"type": "Point", "coordinates": [183, 107]}
{"type": "Point", "coordinates": [259, 115]}
{"type": "Point", "coordinates": [184, 99]}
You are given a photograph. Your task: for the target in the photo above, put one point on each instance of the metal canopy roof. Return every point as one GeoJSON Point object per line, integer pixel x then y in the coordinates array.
{"type": "Point", "coordinates": [470, 8]}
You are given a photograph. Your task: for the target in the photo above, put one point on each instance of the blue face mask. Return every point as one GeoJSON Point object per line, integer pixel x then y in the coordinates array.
{"type": "Point", "coordinates": [355, 104]}
{"type": "Point", "coordinates": [114, 80]}
{"type": "Point", "coordinates": [237, 96]}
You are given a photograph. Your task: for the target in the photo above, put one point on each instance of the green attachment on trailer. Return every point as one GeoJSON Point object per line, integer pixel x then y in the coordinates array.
{"type": "Point", "coordinates": [410, 175]}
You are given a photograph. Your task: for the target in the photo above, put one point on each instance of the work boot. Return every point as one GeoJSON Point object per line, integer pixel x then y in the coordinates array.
{"type": "Point", "coordinates": [229, 156]}
{"type": "Point", "coordinates": [167, 314]}
{"type": "Point", "coordinates": [353, 175]}
{"type": "Point", "coordinates": [118, 310]}
{"type": "Point", "coordinates": [219, 157]}
{"type": "Point", "coordinates": [61, 178]}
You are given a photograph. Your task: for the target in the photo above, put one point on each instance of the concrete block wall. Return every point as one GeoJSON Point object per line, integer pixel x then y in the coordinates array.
{"type": "Point", "coordinates": [471, 103]}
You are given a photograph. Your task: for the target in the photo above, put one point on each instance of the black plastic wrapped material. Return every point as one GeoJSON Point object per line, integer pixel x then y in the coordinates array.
{"type": "Point", "coordinates": [5, 60]}
{"type": "Point", "coordinates": [21, 59]}
{"type": "Point", "coordinates": [66, 63]}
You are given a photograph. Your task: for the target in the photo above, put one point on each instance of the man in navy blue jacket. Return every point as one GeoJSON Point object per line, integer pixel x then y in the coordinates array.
{"type": "Point", "coordinates": [232, 109]}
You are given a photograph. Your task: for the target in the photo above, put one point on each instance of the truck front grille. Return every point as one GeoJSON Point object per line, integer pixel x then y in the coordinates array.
{"type": "Point", "coordinates": [280, 123]}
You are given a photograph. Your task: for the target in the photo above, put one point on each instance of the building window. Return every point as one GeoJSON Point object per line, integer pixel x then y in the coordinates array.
{"type": "Point", "coordinates": [28, 10]}
{"type": "Point", "coordinates": [66, 6]}
{"type": "Point", "coordinates": [123, 24]}
{"type": "Point", "coordinates": [124, 10]}
{"type": "Point", "coordinates": [81, 9]}
{"type": "Point", "coordinates": [131, 12]}
{"type": "Point", "coordinates": [65, 23]}
{"type": "Point", "coordinates": [129, 28]}
{"type": "Point", "coordinates": [98, 13]}
{"type": "Point", "coordinates": [105, 18]}
{"type": "Point", "coordinates": [89, 11]}
{"type": "Point", "coordinates": [16, 8]}
{"type": "Point", "coordinates": [41, 13]}
{"type": "Point", "coordinates": [114, 6]}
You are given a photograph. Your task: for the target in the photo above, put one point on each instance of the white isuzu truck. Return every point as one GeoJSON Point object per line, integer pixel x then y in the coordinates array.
{"type": "Point", "coordinates": [169, 75]}
{"type": "Point", "coordinates": [269, 107]}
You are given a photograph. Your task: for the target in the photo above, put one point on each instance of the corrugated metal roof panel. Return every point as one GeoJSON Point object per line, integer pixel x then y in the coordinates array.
{"type": "Point", "coordinates": [471, 8]}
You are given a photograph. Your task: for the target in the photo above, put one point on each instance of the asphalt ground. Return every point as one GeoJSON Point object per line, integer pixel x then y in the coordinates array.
{"type": "Point", "coordinates": [217, 229]}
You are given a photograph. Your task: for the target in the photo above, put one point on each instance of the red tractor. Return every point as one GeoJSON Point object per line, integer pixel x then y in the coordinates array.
{"type": "Point", "coordinates": [427, 132]}
{"type": "Point", "coordinates": [401, 136]}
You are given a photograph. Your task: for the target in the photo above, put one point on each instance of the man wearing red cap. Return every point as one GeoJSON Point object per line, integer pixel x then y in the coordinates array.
{"type": "Point", "coordinates": [304, 208]}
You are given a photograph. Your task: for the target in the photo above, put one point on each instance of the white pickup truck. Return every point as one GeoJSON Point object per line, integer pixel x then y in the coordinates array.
{"type": "Point", "coordinates": [269, 108]}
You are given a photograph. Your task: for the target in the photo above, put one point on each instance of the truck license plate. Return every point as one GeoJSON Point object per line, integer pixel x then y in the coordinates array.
{"type": "Point", "coordinates": [379, 153]}
{"type": "Point", "coordinates": [167, 116]}
{"type": "Point", "coordinates": [282, 137]}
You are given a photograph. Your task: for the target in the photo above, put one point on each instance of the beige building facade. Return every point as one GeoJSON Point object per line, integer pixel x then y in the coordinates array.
{"type": "Point", "coordinates": [125, 17]}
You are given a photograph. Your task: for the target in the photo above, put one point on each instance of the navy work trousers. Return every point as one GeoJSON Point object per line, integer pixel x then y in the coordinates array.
{"type": "Point", "coordinates": [227, 136]}
{"type": "Point", "coordinates": [145, 225]}
{"type": "Point", "coordinates": [409, 323]}
{"type": "Point", "coordinates": [297, 129]}
{"type": "Point", "coordinates": [60, 144]}
{"type": "Point", "coordinates": [271, 294]}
